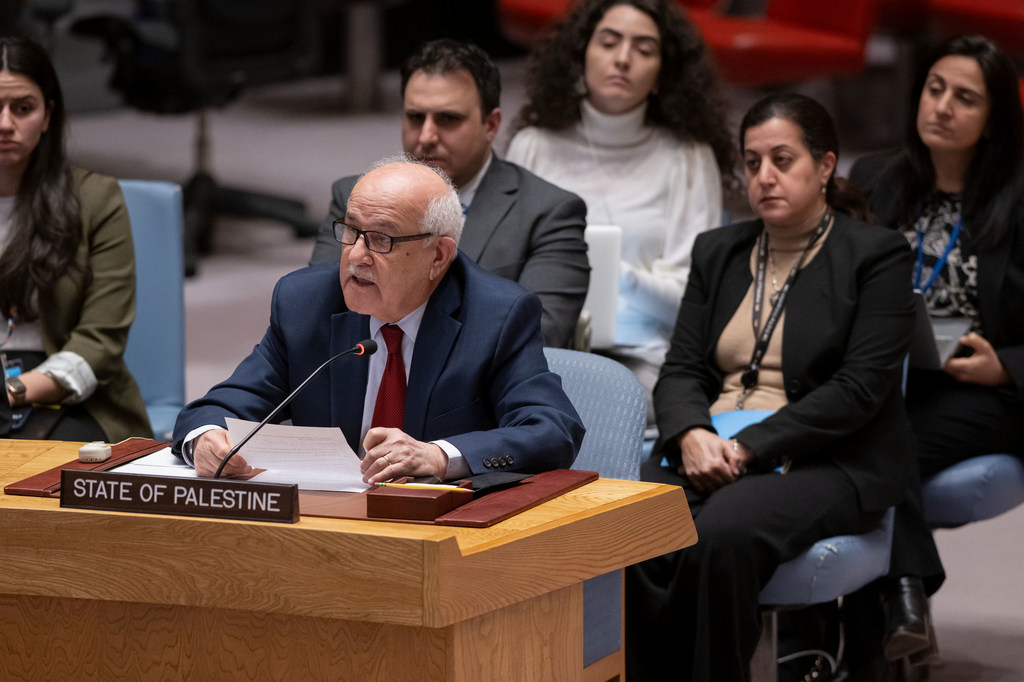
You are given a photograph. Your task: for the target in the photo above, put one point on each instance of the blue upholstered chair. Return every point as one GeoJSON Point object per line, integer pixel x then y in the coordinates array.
{"type": "Point", "coordinates": [612, 405]}
{"type": "Point", "coordinates": [976, 489]}
{"type": "Point", "coordinates": [155, 354]}
{"type": "Point", "coordinates": [831, 568]}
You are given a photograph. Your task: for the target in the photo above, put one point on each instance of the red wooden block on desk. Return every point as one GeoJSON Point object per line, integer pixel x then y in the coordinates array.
{"type": "Point", "coordinates": [414, 504]}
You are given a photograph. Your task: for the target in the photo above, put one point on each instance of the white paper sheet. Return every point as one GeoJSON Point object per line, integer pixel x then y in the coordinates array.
{"type": "Point", "coordinates": [159, 463]}
{"type": "Point", "coordinates": [314, 457]}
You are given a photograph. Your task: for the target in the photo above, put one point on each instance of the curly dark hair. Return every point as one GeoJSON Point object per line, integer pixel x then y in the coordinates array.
{"type": "Point", "coordinates": [46, 227]}
{"type": "Point", "coordinates": [689, 102]}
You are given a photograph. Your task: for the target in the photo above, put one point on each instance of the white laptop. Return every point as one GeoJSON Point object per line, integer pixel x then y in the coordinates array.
{"type": "Point", "coordinates": [604, 249]}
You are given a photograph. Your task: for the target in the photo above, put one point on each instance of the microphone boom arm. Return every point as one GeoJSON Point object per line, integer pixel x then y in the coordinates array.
{"type": "Point", "coordinates": [367, 347]}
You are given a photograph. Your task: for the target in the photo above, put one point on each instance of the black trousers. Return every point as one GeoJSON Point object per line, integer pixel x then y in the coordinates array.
{"type": "Point", "coordinates": [952, 422]}
{"type": "Point", "coordinates": [693, 614]}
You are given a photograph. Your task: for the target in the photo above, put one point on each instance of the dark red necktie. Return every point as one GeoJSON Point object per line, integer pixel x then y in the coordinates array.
{"type": "Point", "coordinates": [389, 411]}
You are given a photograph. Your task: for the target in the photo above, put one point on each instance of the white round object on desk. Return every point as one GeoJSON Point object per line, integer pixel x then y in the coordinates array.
{"type": "Point", "coordinates": [96, 451]}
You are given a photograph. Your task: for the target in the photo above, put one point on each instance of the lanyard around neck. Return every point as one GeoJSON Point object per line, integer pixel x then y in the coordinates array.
{"type": "Point", "coordinates": [919, 266]}
{"type": "Point", "coordinates": [763, 335]}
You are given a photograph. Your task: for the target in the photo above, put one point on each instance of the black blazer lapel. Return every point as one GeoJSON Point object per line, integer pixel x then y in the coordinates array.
{"type": "Point", "coordinates": [735, 282]}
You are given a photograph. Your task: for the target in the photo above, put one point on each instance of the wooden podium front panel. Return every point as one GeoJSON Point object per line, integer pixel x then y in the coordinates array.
{"type": "Point", "coordinates": [319, 583]}
{"type": "Point", "coordinates": [49, 638]}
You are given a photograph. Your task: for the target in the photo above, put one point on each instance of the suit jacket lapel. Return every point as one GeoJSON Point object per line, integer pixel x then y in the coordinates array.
{"type": "Point", "coordinates": [493, 200]}
{"type": "Point", "coordinates": [735, 280]}
{"type": "Point", "coordinates": [434, 342]}
{"type": "Point", "coordinates": [348, 377]}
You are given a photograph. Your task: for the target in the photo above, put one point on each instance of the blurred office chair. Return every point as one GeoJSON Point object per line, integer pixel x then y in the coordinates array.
{"type": "Point", "coordinates": [1001, 21]}
{"type": "Point", "coordinates": [976, 489]}
{"type": "Point", "coordinates": [527, 22]}
{"type": "Point", "coordinates": [155, 353]}
{"type": "Point", "coordinates": [613, 407]}
{"type": "Point", "coordinates": [179, 56]}
{"type": "Point", "coordinates": [795, 40]}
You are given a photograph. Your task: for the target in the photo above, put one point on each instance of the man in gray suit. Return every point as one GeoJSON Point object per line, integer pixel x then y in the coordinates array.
{"type": "Point", "coordinates": [517, 225]}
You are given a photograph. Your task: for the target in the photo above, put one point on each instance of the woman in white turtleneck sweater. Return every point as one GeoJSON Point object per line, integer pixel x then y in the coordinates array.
{"type": "Point", "coordinates": [630, 121]}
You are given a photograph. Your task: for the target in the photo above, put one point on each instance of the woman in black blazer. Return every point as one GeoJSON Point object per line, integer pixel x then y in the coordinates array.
{"type": "Point", "coordinates": [955, 192]}
{"type": "Point", "coordinates": [832, 456]}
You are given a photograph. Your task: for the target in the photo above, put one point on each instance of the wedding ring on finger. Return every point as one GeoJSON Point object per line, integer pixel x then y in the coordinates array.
{"type": "Point", "coordinates": [388, 461]}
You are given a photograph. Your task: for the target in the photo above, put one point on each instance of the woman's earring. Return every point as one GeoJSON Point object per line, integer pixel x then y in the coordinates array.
{"type": "Point", "coordinates": [581, 86]}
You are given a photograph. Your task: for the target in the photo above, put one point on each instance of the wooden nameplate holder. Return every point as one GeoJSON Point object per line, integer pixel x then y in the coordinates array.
{"type": "Point", "coordinates": [415, 504]}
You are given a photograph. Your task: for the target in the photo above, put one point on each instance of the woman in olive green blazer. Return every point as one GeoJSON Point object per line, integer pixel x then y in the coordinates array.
{"type": "Point", "coordinates": [67, 269]}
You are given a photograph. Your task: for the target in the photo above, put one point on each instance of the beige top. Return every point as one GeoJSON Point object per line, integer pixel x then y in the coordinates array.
{"type": "Point", "coordinates": [736, 344]}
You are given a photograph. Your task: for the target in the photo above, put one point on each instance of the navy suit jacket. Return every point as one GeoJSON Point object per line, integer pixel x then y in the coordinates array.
{"type": "Point", "coordinates": [478, 377]}
{"type": "Point", "coordinates": [519, 227]}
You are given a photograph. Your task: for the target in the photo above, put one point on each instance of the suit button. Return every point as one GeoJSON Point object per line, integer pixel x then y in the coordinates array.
{"type": "Point", "coordinates": [487, 463]}
{"type": "Point", "coordinates": [510, 460]}
{"type": "Point", "coordinates": [502, 461]}
{"type": "Point", "coordinates": [494, 461]}
{"type": "Point", "coordinates": [793, 386]}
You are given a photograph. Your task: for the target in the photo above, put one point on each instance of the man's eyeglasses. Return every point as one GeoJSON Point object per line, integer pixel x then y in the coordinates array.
{"type": "Point", "coordinates": [378, 242]}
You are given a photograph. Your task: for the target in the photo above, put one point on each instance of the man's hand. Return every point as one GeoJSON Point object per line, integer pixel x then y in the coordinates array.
{"type": "Point", "coordinates": [211, 448]}
{"type": "Point", "coordinates": [982, 367]}
{"type": "Point", "coordinates": [391, 453]}
{"type": "Point", "coordinates": [711, 462]}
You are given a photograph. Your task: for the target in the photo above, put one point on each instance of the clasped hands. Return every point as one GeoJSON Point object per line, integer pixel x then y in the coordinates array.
{"type": "Point", "coordinates": [390, 453]}
{"type": "Point", "coordinates": [711, 462]}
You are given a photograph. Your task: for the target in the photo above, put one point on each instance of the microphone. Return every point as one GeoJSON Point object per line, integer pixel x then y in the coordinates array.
{"type": "Point", "coordinates": [366, 347]}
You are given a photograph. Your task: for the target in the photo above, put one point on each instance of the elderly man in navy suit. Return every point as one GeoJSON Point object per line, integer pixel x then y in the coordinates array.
{"type": "Point", "coordinates": [463, 388]}
{"type": "Point", "coordinates": [517, 226]}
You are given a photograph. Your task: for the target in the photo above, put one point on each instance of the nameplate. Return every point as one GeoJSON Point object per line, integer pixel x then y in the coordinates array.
{"type": "Point", "coordinates": [207, 497]}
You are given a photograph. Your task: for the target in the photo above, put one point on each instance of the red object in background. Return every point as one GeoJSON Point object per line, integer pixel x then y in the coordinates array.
{"type": "Point", "coordinates": [525, 22]}
{"type": "Point", "coordinates": [1001, 21]}
{"type": "Point", "coordinates": [795, 40]}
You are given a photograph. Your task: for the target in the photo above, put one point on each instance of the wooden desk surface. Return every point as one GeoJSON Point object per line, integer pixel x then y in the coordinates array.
{"type": "Point", "coordinates": [375, 571]}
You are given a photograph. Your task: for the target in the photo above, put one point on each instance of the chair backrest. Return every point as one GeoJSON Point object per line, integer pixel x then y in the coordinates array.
{"type": "Point", "coordinates": [612, 404]}
{"type": "Point", "coordinates": [176, 56]}
{"type": "Point", "coordinates": [245, 43]}
{"type": "Point", "coordinates": [853, 18]}
{"type": "Point", "coordinates": [155, 354]}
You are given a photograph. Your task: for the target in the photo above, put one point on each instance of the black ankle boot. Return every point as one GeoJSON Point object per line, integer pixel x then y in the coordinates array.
{"type": "Point", "coordinates": [907, 618]}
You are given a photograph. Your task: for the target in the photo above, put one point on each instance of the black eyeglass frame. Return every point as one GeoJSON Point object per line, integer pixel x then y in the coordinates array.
{"type": "Point", "coordinates": [366, 239]}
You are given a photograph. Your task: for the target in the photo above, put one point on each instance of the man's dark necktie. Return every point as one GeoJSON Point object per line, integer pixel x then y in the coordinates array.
{"type": "Point", "coordinates": [389, 411]}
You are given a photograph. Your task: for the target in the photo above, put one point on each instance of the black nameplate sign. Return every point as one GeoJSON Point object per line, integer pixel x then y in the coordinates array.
{"type": "Point", "coordinates": [214, 498]}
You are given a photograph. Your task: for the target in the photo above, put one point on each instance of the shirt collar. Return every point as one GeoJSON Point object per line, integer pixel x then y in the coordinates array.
{"type": "Point", "coordinates": [410, 326]}
{"type": "Point", "coordinates": [468, 192]}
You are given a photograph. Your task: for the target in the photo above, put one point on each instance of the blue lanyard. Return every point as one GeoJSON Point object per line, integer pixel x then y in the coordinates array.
{"type": "Point", "coordinates": [939, 263]}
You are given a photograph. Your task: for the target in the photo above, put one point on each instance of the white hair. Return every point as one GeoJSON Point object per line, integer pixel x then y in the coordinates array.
{"type": "Point", "coordinates": [444, 216]}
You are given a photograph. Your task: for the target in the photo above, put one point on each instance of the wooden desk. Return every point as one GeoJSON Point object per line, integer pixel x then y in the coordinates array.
{"type": "Point", "coordinates": [98, 595]}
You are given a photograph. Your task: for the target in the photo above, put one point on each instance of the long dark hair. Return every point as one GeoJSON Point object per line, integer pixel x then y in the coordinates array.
{"type": "Point", "coordinates": [46, 227]}
{"type": "Point", "coordinates": [819, 136]}
{"type": "Point", "coordinates": [688, 102]}
{"type": "Point", "coordinates": [995, 179]}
